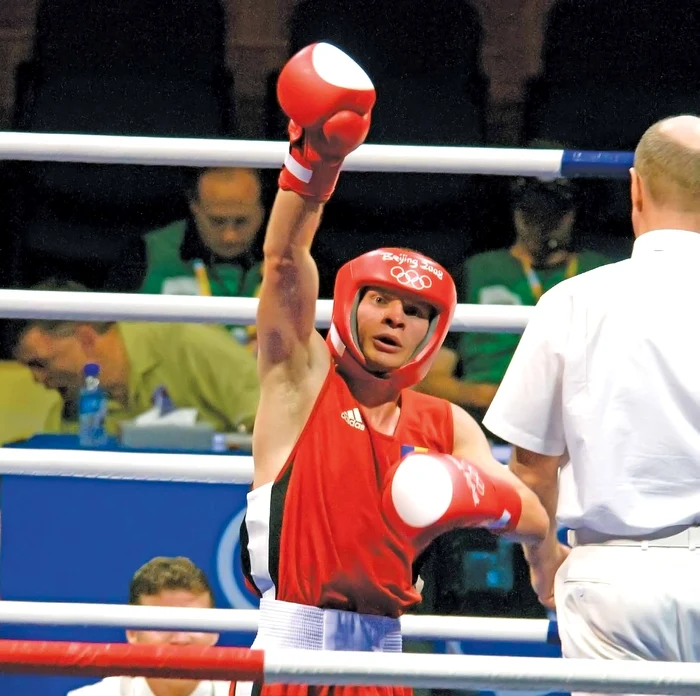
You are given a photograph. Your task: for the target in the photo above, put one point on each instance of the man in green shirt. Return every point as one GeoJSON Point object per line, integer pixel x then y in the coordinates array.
{"type": "Point", "coordinates": [198, 366]}
{"type": "Point", "coordinates": [544, 213]}
{"type": "Point", "coordinates": [207, 253]}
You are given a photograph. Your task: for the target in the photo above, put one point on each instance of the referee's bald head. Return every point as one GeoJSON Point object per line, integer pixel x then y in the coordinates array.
{"type": "Point", "coordinates": [667, 160]}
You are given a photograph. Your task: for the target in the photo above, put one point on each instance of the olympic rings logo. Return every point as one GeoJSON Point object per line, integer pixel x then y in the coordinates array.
{"type": "Point", "coordinates": [411, 278]}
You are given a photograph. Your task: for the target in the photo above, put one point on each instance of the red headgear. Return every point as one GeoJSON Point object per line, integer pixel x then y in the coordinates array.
{"type": "Point", "coordinates": [394, 269]}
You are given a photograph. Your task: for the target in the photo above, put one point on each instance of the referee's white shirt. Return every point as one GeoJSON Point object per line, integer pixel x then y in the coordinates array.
{"type": "Point", "coordinates": [608, 370]}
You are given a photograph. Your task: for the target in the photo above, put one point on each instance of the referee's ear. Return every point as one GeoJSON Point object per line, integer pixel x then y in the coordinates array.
{"type": "Point", "coordinates": [639, 197]}
{"type": "Point", "coordinates": [636, 195]}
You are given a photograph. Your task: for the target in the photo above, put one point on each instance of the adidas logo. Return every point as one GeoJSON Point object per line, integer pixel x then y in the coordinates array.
{"type": "Point", "coordinates": [352, 417]}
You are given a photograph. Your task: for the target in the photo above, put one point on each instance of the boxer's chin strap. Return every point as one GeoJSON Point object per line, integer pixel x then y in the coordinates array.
{"type": "Point", "coordinates": [353, 319]}
{"type": "Point", "coordinates": [432, 327]}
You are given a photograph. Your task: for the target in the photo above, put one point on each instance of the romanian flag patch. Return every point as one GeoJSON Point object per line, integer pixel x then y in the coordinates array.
{"type": "Point", "coordinates": [407, 449]}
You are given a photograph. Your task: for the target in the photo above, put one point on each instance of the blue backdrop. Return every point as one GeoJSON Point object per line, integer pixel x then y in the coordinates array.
{"type": "Point", "coordinates": [80, 540]}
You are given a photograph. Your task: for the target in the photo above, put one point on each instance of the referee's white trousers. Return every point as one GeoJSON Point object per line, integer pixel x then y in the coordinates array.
{"type": "Point", "coordinates": [630, 603]}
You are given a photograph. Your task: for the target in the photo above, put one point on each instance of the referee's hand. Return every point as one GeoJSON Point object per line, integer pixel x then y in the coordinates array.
{"type": "Point", "coordinates": [543, 572]}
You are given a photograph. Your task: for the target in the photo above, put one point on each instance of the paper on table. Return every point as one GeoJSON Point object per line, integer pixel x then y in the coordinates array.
{"type": "Point", "coordinates": [180, 417]}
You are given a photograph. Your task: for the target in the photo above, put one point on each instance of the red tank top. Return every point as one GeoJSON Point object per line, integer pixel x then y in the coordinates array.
{"type": "Point", "coordinates": [327, 542]}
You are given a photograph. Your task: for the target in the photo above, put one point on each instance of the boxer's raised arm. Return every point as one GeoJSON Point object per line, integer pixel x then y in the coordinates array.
{"type": "Point", "coordinates": [287, 307]}
{"type": "Point", "coordinates": [328, 99]}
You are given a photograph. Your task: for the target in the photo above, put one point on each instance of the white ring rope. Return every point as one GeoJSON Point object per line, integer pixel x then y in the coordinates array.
{"type": "Point", "coordinates": [96, 306]}
{"type": "Point", "coordinates": [260, 154]}
{"type": "Point", "coordinates": [246, 621]}
{"type": "Point", "coordinates": [133, 466]}
{"type": "Point", "coordinates": [139, 466]}
{"type": "Point", "coordinates": [479, 672]}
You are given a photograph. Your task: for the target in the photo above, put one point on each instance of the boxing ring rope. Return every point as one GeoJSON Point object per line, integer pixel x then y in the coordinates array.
{"type": "Point", "coordinates": [132, 466]}
{"type": "Point", "coordinates": [261, 154]}
{"type": "Point", "coordinates": [350, 668]}
{"type": "Point", "coordinates": [106, 659]}
{"type": "Point", "coordinates": [96, 306]}
{"type": "Point", "coordinates": [531, 631]}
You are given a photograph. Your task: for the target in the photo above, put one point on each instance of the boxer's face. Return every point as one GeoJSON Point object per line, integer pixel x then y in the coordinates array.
{"type": "Point", "coordinates": [390, 326]}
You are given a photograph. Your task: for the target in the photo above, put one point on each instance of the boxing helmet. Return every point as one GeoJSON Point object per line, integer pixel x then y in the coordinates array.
{"type": "Point", "coordinates": [394, 269]}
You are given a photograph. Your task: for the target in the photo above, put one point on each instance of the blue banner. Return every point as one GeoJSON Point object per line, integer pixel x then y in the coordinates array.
{"type": "Point", "coordinates": [78, 540]}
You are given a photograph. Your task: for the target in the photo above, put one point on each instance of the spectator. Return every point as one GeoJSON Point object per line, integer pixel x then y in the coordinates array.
{"type": "Point", "coordinates": [225, 215]}
{"type": "Point", "coordinates": [543, 215]}
{"type": "Point", "coordinates": [26, 408]}
{"type": "Point", "coordinates": [198, 366]}
{"type": "Point", "coordinates": [164, 582]}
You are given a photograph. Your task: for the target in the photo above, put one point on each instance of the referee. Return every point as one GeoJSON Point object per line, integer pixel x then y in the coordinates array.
{"type": "Point", "coordinates": [602, 404]}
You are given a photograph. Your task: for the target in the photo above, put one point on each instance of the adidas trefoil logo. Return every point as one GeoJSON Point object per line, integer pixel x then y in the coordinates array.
{"type": "Point", "coordinates": [352, 417]}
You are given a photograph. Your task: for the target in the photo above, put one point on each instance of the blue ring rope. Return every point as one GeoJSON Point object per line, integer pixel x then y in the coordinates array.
{"type": "Point", "coordinates": [593, 163]}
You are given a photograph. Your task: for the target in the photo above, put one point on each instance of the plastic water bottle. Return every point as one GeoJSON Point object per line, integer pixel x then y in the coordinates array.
{"type": "Point", "coordinates": [92, 408]}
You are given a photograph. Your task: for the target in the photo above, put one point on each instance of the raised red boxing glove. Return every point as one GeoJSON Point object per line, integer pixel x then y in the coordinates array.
{"type": "Point", "coordinates": [329, 100]}
{"type": "Point", "coordinates": [426, 495]}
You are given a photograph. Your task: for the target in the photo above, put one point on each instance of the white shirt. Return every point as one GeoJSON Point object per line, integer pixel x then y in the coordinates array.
{"type": "Point", "coordinates": [608, 370]}
{"type": "Point", "coordinates": [137, 686]}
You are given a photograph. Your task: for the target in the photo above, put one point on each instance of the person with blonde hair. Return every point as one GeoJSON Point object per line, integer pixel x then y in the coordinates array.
{"type": "Point", "coordinates": [164, 582]}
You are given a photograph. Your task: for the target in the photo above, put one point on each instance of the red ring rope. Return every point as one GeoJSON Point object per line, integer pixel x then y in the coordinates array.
{"type": "Point", "coordinates": [110, 659]}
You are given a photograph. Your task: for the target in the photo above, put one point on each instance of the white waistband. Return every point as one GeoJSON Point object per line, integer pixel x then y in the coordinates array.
{"type": "Point", "coordinates": [687, 538]}
{"type": "Point", "coordinates": [298, 626]}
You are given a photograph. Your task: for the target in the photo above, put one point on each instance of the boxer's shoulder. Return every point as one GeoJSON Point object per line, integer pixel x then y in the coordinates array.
{"type": "Point", "coordinates": [415, 399]}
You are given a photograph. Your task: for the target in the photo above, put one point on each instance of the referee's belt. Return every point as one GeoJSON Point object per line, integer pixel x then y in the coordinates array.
{"type": "Point", "coordinates": [301, 627]}
{"type": "Point", "coordinates": [672, 537]}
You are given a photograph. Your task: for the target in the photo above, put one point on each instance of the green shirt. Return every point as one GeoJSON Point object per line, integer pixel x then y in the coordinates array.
{"type": "Point", "coordinates": [168, 274]}
{"type": "Point", "coordinates": [496, 277]}
{"type": "Point", "coordinates": [199, 366]}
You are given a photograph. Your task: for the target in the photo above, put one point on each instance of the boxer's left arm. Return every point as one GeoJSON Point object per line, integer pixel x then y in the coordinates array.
{"type": "Point", "coordinates": [471, 445]}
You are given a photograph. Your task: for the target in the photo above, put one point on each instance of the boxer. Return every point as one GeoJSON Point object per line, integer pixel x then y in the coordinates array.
{"type": "Point", "coordinates": [355, 472]}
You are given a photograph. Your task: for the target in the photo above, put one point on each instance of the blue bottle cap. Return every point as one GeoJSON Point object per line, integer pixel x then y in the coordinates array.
{"type": "Point", "coordinates": [91, 370]}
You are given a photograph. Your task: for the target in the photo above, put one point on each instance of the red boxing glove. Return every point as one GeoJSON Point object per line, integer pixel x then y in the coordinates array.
{"type": "Point", "coordinates": [429, 494]}
{"type": "Point", "coordinates": [329, 99]}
